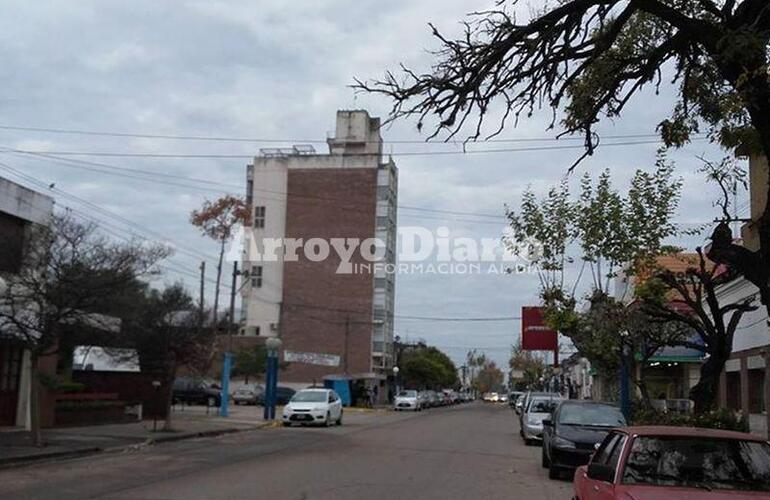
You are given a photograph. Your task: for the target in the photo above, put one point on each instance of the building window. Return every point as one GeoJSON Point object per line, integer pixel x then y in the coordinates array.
{"type": "Point", "coordinates": [256, 276]}
{"type": "Point", "coordinates": [12, 236]}
{"type": "Point", "coordinates": [259, 217]}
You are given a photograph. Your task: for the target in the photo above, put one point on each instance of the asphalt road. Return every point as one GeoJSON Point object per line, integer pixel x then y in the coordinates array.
{"type": "Point", "coordinates": [463, 452]}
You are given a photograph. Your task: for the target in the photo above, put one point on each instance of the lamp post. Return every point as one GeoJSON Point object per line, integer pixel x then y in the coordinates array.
{"type": "Point", "coordinates": [395, 378]}
{"type": "Point", "coordinates": [156, 387]}
{"type": "Point", "coordinates": [273, 346]}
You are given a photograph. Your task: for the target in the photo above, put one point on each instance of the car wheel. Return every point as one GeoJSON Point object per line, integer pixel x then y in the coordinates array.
{"type": "Point", "coordinates": [339, 420]}
{"type": "Point", "coordinates": [328, 421]}
{"type": "Point", "coordinates": [553, 472]}
{"type": "Point", "coordinates": [527, 442]}
{"type": "Point", "coordinates": [544, 459]}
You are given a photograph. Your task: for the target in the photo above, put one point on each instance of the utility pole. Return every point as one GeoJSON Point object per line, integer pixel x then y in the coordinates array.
{"type": "Point", "coordinates": [232, 307]}
{"type": "Point", "coordinates": [228, 361]}
{"type": "Point", "coordinates": [203, 276]}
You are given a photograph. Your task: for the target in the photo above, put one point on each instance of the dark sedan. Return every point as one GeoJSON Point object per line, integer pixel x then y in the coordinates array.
{"type": "Point", "coordinates": [282, 395]}
{"type": "Point", "coordinates": [572, 432]}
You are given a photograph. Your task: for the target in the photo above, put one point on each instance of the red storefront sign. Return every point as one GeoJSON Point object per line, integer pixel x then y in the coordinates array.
{"type": "Point", "coordinates": [535, 336]}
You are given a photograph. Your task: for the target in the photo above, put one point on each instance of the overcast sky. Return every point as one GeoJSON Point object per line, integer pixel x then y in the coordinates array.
{"type": "Point", "coordinates": [278, 70]}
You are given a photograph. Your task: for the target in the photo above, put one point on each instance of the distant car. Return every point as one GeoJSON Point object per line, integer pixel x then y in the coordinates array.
{"type": "Point", "coordinates": [572, 432]}
{"type": "Point", "coordinates": [313, 406]}
{"type": "Point", "coordinates": [513, 396]}
{"type": "Point", "coordinates": [502, 398]}
{"type": "Point", "coordinates": [194, 391]}
{"type": "Point", "coordinates": [519, 403]}
{"type": "Point", "coordinates": [676, 463]}
{"type": "Point", "coordinates": [424, 398]}
{"type": "Point", "coordinates": [247, 395]}
{"type": "Point", "coordinates": [490, 397]}
{"type": "Point", "coordinates": [525, 401]}
{"type": "Point", "coordinates": [538, 409]}
{"type": "Point", "coordinates": [282, 395]}
{"type": "Point", "coordinates": [407, 400]}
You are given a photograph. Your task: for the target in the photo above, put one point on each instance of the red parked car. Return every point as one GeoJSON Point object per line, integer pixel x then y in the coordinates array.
{"type": "Point", "coordinates": [663, 463]}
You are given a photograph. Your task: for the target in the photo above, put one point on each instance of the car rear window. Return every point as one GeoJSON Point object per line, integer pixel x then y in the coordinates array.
{"type": "Point", "coordinates": [696, 462]}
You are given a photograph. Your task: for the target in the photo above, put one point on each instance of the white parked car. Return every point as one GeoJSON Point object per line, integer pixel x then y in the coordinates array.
{"type": "Point", "coordinates": [407, 400]}
{"type": "Point", "coordinates": [313, 406]}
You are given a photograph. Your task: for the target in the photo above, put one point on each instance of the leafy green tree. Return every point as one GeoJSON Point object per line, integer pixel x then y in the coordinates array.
{"type": "Point", "coordinates": [601, 229]}
{"type": "Point", "coordinates": [72, 279]}
{"type": "Point", "coordinates": [250, 362]}
{"type": "Point", "coordinates": [427, 368]}
{"type": "Point", "coordinates": [530, 366]}
{"type": "Point", "coordinates": [587, 59]}
{"type": "Point", "coordinates": [607, 233]}
{"type": "Point", "coordinates": [167, 335]}
{"type": "Point", "coordinates": [488, 378]}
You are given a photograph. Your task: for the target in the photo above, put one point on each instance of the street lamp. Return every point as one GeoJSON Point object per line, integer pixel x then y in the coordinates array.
{"type": "Point", "coordinates": [273, 346]}
{"type": "Point", "coordinates": [395, 378]}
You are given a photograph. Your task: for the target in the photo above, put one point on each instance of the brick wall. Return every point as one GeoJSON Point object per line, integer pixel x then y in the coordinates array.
{"type": "Point", "coordinates": [130, 386]}
{"type": "Point", "coordinates": [347, 210]}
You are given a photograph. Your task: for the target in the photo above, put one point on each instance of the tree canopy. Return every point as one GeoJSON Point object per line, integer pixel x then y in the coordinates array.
{"type": "Point", "coordinates": [427, 367]}
{"type": "Point", "coordinates": [587, 59]}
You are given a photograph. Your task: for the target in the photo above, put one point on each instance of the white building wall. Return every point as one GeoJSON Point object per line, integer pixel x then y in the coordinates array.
{"type": "Point", "coordinates": [752, 331]}
{"type": "Point", "coordinates": [262, 303]}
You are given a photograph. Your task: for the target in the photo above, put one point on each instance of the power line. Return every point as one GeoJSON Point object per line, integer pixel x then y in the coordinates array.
{"type": "Point", "coordinates": [87, 165]}
{"type": "Point", "coordinates": [156, 237]}
{"type": "Point", "coordinates": [464, 151]}
{"type": "Point", "coordinates": [51, 130]}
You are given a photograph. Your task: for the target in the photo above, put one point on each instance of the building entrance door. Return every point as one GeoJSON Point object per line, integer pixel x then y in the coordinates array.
{"type": "Point", "coordinates": [10, 371]}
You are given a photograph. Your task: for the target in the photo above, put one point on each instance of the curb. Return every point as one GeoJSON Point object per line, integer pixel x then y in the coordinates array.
{"type": "Point", "coordinates": [12, 462]}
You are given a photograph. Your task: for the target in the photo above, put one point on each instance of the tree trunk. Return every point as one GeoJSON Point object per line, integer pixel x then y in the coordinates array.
{"type": "Point", "coordinates": [219, 278]}
{"type": "Point", "coordinates": [34, 401]}
{"type": "Point", "coordinates": [170, 376]}
{"type": "Point", "coordinates": [645, 392]}
{"type": "Point", "coordinates": [704, 393]}
{"type": "Point", "coordinates": [747, 73]}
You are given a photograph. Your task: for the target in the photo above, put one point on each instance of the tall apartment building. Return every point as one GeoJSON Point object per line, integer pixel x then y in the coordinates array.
{"type": "Point", "coordinates": [332, 321]}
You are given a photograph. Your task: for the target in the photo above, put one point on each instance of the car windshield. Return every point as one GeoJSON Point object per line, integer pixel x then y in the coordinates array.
{"type": "Point", "coordinates": [697, 462]}
{"type": "Point", "coordinates": [309, 397]}
{"type": "Point", "coordinates": [542, 405]}
{"type": "Point", "coordinates": [407, 394]}
{"type": "Point", "coordinates": [591, 415]}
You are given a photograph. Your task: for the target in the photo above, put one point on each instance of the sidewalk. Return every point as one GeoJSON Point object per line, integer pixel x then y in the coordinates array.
{"type": "Point", "coordinates": [188, 422]}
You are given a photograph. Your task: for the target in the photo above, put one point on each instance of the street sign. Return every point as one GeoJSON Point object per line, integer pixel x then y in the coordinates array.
{"type": "Point", "coordinates": [311, 358]}
{"type": "Point", "coordinates": [535, 335]}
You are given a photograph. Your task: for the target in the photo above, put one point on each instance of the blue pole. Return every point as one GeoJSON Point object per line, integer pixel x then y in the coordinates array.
{"type": "Point", "coordinates": [274, 384]}
{"type": "Point", "coordinates": [225, 394]}
{"type": "Point", "coordinates": [268, 389]}
{"type": "Point", "coordinates": [625, 399]}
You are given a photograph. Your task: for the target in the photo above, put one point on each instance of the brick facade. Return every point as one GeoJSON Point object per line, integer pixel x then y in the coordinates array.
{"type": "Point", "coordinates": [319, 305]}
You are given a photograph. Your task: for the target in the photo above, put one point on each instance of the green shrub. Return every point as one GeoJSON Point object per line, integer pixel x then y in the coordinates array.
{"type": "Point", "coordinates": [717, 419]}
